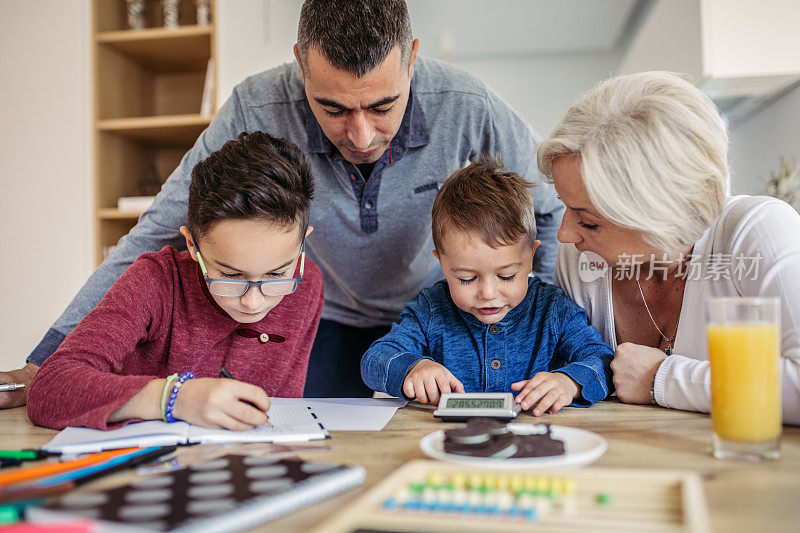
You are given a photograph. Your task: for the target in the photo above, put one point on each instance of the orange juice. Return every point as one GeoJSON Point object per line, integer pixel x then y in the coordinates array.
{"type": "Point", "coordinates": [745, 381]}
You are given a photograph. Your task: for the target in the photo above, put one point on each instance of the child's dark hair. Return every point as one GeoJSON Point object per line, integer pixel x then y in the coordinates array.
{"type": "Point", "coordinates": [486, 200]}
{"type": "Point", "coordinates": [254, 176]}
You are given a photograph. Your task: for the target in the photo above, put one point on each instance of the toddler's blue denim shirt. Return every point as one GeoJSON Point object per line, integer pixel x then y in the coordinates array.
{"type": "Point", "coordinates": [547, 331]}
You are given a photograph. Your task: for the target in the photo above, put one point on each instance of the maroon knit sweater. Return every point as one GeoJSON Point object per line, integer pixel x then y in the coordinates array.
{"type": "Point", "coordinates": [159, 319]}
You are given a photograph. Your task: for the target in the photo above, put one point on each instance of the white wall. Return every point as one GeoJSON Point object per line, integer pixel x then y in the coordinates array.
{"type": "Point", "coordinates": [45, 205]}
{"type": "Point", "coordinates": [253, 35]}
{"type": "Point", "coordinates": [758, 143]}
{"type": "Point", "coordinates": [542, 88]}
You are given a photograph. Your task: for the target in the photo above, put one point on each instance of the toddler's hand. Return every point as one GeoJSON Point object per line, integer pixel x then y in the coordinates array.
{"type": "Point", "coordinates": [219, 403]}
{"type": "Point", "coordinates": [426, 379]}
{"type": "Point", "coordinates": [550, 390]}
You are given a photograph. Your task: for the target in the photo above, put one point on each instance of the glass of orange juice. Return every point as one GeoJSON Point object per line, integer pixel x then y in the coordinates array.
{"type": "Point", "coordinates": [744, 350]}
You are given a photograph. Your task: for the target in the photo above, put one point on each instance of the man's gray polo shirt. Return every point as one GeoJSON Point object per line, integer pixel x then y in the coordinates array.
{"type": "Point", "coordinates": [372, 237]}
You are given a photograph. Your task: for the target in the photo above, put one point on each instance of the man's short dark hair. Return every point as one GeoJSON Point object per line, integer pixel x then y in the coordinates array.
{"type": "Point", "coordinates": [254, 176]}
{"type": "Point", "coordinates": [354, 35]}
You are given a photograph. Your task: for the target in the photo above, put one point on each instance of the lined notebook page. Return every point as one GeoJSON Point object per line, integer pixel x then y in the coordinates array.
{"type": "Point", "coordinates": [141, 434]}
{"type": "Point", "coordinates": [290, 423]}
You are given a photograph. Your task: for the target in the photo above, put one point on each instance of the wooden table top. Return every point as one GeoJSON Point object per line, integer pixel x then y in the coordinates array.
{"type": "Point", "coordinates": [741, 496]}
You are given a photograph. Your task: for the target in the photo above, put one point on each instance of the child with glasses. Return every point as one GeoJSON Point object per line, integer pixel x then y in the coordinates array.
{"type": "Point", "coordinates": [489, 326]}
{"type": "Point", "coordinates": [242, 298]}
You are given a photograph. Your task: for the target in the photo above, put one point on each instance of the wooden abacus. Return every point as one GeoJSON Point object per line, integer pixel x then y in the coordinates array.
{"type": "Point", "coordinates": [433, 496]}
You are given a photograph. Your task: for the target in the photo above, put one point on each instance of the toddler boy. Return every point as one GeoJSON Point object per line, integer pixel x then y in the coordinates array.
{"type": "Point", "coordinates": [489, 326]}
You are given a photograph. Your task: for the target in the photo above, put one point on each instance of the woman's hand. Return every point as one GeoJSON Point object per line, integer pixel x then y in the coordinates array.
{"type": "Point", "coordinates": [220, 403]}
{"type": "Point", "coordinates": [635, 368]}
{"type": "Point", "coordinates": [427, 380]}
{"type": "Point", "coordinates": [549, 391]}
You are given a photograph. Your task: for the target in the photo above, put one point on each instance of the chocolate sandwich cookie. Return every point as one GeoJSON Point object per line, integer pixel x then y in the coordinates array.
{"type": "Point", "coordinates": [463, 449]}
{"type": "Point", "coordinates": [508, 445]}
{"type": "Point", "coordinates": [467, 435]}
{"type": "Point", "coordinates": [541, 445]}
{"type": "Point", "coordinates": [498, 448]}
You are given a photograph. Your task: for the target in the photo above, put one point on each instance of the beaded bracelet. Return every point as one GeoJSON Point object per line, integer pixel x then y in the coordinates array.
{"type": "Point", "coordinates": [186, 376]}
{"type": "Point", "coordinates": [167, 388]}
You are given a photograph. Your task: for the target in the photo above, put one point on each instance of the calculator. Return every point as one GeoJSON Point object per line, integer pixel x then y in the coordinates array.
{"type": "Point", "coordinates": [459, 406]}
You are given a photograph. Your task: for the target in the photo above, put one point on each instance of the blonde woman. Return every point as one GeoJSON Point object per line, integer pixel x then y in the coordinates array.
{"type": "Point", "coordinates": [650, 233]}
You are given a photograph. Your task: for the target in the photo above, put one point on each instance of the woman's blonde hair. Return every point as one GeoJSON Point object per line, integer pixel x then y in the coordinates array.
{"type": "Point", "coordinates": [653, 155]}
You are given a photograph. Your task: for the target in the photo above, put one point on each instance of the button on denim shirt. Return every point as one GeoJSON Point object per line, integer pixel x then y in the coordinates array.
{"type": "Point", "coordinates": [546, 332]}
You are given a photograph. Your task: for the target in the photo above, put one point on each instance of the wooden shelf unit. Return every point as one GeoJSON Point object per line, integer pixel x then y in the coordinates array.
{"type": "Point", "coordinates": [148, 88]}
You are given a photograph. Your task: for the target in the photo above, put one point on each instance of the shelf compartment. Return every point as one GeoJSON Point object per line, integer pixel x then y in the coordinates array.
{"type": "Point", "coordinates": [126, 88]}
{"type": "Point", "coordinates": [167, 130]}
{"type": "Point", "coordinates": [109, 232]}
{"type": "Point", "coordinates": [128, 167]}
{"type": "Point", "coordinates": [110, 15]}
{"type": "Point", "coordinates": [189, 47]}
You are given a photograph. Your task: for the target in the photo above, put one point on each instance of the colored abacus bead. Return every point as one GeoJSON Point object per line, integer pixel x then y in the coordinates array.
{"type": "Point", "coordinates": [389, 504]}
{"type": "Point", "coordinates": [603, 499]}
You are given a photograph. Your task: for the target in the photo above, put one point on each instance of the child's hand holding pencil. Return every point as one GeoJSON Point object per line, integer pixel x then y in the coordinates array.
{"type": "Point", "coordinates": [222, 404]}
{"type": "Point", "coordinates": [225, 374]}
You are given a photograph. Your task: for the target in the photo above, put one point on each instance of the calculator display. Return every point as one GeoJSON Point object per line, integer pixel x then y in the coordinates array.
{"type": "Point", "coordinates": [475, 403]}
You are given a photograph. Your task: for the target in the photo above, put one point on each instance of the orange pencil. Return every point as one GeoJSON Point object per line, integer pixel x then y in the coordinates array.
{"type": "Point", "coordinates": [56, 468]}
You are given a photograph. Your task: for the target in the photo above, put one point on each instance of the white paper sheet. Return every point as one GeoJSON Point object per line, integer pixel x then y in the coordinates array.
{"type": "Point", "coordinates": [349, 414]}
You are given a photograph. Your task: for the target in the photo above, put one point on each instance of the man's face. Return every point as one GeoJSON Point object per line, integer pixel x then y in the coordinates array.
{"type": "Point", "coordinates": [360, 116]}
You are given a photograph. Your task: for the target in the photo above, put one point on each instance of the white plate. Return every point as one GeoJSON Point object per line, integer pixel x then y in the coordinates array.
{"type": "Point", "coordinates": [581, 448]}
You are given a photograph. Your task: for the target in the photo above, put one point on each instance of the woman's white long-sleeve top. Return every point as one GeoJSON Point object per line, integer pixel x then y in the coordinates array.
{"type": "Point", "coordinates": [751, 250]}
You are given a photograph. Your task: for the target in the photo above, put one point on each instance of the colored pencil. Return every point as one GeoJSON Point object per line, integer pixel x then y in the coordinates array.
{"type": "Point", "coordinates": [48, 469]}
{"type": "Point", "coordinates": [47, 487]}
{"type": "Point", "coordinates": [25, 455]}
{"type": "Point", "coordinates": [125, 460]}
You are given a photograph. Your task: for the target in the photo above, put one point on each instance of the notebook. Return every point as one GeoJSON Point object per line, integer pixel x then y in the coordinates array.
{"type": "Point", "coordinates": [290, 423]}
{"type": "Point", "coordinates": [231, 493]}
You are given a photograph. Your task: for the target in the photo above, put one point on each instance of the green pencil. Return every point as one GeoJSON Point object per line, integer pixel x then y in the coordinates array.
{"type": "Point", "coordinates": [25, 455]}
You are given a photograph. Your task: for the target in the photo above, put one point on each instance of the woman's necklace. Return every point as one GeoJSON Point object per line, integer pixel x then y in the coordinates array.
{"type": "Point", "coordinates": [668, 349]}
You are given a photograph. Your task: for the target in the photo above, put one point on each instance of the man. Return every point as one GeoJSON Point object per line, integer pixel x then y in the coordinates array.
{"type": "Point", "coordinates": [383, 129]}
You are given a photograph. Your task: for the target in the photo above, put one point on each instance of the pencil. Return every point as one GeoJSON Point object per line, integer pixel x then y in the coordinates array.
{"type": "Point", "coordinates": [25, 455]}
{"type": "Point", "coordinates": [56, 468]}
{"type": "Point", "coordinates": [59, 484]}
{"type": "Point", "coordinates": [225, 374]}
{"type": "Point", "coordinates": [111, 464]}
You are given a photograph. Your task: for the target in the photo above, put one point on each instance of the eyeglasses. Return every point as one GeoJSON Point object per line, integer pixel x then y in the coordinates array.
{"type": "Point", "coordinates": [231, 288]}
